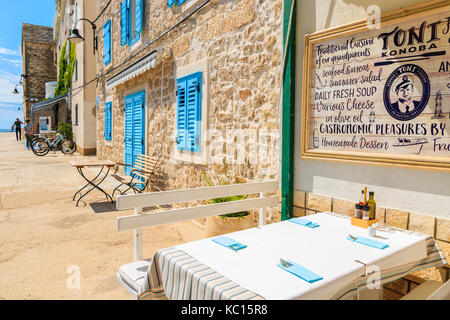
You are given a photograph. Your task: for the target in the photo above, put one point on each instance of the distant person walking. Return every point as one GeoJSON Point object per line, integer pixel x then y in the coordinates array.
{"type": "Point", "coordinates": [28, 127]}
{"type": "Point", "coordinates": [18, 127]}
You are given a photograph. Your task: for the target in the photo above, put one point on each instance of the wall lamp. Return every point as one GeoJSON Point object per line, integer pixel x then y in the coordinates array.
{"type": "Point", "coordinates": [76, 37]}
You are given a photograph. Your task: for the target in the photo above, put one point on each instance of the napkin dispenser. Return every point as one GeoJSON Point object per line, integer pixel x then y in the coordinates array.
{"type": "Point", "coordinates": [363, 223]}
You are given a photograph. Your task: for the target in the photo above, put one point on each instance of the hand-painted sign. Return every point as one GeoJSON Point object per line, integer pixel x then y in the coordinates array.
{"type": "Point", "coordinates": [380, 95]}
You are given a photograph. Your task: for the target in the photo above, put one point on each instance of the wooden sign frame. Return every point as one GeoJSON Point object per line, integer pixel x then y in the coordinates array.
{"type": "Point", "coordinates": [306, 152]}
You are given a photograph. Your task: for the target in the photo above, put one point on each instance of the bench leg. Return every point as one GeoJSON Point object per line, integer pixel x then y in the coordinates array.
{"type": "Point", "coordinates": [371, 294]}
{"type": "Point", "coordinates": [138, 252]}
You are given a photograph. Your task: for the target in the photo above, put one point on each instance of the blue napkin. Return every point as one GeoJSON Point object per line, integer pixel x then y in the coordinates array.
{"type": "Point", "coordinates": [228, 242]}
{"type": "Point", "coordinates": [304, 222]}
{"type": "Point", "coordinates": [301, 272]}
{"type": "Point", "coordinates": [369, 242]}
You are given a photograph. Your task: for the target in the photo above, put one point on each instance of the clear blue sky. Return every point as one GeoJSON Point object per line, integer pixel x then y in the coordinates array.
{"type": "Point", "coordinates": [12, 15]}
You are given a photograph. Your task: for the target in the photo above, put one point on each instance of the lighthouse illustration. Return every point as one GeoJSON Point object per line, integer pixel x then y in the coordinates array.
{"type": "Point", "coordinates": [315, 136]}
{"type": "Point", "coordinates": [438, 106]}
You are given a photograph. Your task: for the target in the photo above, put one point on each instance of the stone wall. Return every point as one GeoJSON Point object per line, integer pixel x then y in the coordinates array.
{"type": "Point", "coordinates": [241, 44]}
{"type": "Point", "coordinates": [306, 203]}
{"type": "Point", "coordinates": [39, 64]}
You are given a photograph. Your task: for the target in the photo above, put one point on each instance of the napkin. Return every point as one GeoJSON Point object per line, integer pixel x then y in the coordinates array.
{"type": "Point", "coordinates": [369, 242]}
{"type": "Point", "coordinates": [301, 272]}
{"type": "Point", "coordinates": [228, 242]}
{"type": "Point", "coordinates": [304, 222]}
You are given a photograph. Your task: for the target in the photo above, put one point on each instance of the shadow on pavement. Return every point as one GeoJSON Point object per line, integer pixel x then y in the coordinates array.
{"type": "Point", "coordinates": [101, 207]}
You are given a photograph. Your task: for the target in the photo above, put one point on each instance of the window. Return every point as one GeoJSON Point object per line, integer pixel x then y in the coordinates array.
{"type": "Point", "coordinates": [189, 112]}
{"type": "Point", "coordinates": [76, 115]}
{"type": "Point", "coordinates": [76, 70]}
{"type": "Point", "coordinates": [131, 21]}
{"type": "Point", "coordinates": [108, 121]}
{"type": "Point", "coordinates": [107, 42]}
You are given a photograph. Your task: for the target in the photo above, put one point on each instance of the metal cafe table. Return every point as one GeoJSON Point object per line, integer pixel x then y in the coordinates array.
{"type": "Point", "coordinates": [206, 270]}
{"type": "Point", "coordinates": [104, 168]}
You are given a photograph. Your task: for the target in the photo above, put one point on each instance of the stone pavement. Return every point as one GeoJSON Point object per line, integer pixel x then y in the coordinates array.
{"type": "Point", "coordinates": [42, 233]}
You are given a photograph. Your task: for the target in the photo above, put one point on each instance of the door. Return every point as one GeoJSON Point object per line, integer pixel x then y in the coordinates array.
{"type": "Point", "coordinates": [134, 128]}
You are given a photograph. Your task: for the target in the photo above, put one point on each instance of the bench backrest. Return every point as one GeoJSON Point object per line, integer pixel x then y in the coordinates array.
{"type": "Point", "coordinates": [147, 164]}
{"type": "Point", "coordinates": [443, 293]}
{"type": "Point", "coordinates": [139, 201]}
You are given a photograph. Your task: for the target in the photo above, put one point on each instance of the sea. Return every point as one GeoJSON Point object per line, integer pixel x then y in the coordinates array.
{"type": "Point", "coordinates": [5, 130]}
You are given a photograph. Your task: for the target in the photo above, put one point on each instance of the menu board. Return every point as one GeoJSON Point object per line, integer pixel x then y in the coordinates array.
{"type": "Point", "coordinates": [380, 94]}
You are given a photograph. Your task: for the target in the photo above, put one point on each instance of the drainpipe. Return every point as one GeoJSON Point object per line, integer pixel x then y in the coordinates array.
{"type": "Point", "coordinates": [288, 109]}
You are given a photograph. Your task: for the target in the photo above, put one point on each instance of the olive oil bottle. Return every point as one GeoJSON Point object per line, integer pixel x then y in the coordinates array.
{"type": "Point", "coordinates": [372, 205]}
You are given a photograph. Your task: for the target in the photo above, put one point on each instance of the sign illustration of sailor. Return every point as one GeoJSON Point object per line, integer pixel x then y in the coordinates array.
{"type": "Point", "coordinates": [406, 92]}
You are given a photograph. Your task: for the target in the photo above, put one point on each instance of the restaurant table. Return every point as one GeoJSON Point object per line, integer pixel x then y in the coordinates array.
{"type": "Point", "coordinates": [204, 270]}
{"type": "Point", "coordinates": [96, 181]}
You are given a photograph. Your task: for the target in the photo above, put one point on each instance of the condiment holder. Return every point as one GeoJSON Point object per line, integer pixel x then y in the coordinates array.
{"type": "Point", "coordinates": [363, 223]}
{"type": "Point", "coordinates": [365, 211]}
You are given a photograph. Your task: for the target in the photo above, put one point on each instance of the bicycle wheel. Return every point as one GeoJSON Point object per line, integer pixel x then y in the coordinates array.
{"type": "Point", "coordinates": [40, 147]}
{"type": "Point", "coordinates": [68, 146]}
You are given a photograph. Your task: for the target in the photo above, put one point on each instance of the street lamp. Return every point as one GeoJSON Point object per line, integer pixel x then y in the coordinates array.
{"type": "Point", "coordinates": [76, 37]}
{"type": "Point", "coordinates": [15, 91]}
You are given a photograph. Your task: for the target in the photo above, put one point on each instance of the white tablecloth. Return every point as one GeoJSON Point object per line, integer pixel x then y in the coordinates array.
{"type": "Point", "coordinates": [324, 250]}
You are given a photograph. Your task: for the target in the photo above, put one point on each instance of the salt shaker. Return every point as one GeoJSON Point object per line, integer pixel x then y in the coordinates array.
{"type": "Point", "coordinates": [372, 230]}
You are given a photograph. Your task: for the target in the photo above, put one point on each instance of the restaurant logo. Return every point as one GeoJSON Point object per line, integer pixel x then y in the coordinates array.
{"type": "Point", "coordinates": [416, 39]}
{"type": "Point", "coordinates": [406, 92]}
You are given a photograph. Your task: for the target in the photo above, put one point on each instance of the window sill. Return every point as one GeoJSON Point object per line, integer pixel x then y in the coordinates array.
{"type": "Point", "coordinates": [191, 157]}
{"type": "Point", "coordinates": [189, 5]}
{"type": "Point", "coordinates": [107, 66]}
{"type": "Point", "coordinates": [108, 143]}
{"type": "Point", "coordinates": [135, 45]}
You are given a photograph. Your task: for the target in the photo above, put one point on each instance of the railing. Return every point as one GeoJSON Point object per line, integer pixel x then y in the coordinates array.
{"type": "Point", "coordinates": [139, 220]}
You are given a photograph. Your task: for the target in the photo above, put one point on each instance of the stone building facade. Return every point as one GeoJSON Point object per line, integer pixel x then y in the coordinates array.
{"type": "Point", "coordinates": [39, 63]}
{"type": "Point", "coordinates": [236, 45]}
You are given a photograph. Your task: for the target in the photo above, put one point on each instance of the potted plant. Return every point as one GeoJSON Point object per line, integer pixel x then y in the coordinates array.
{"type": "Point", "coordinates": [66, 130]}
{"type": "Point", "coordinates": [218, 225]}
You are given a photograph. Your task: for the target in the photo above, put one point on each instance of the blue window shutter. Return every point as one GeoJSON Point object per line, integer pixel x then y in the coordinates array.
{"type": "Point", "coordinates": [139, 129]}
{"type": "Point", "coordinates": [128, 134]}
{"type": "Point", "coordinates": [170, 3]}
{"type": "Point", "coordinates": [139, 16]}
{"type": "Point", "coordinates": [181, 114]}
{"type": "Point", "coordinates": [107, 42]}
{"type": "Point", "coordinates": [189, 112]}
{"type": "Point", "coordinates": [180, 2]}
{"type": "Point", "coordinates": [194, 112]}
{"type": "Point", "coordinates": [108, 121]}
{"type": "Point", "coordinates": [124, 23]}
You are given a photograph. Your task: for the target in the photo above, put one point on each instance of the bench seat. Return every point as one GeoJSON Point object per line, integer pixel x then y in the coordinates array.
{"type": "Point", "coordinates": [132, 274]}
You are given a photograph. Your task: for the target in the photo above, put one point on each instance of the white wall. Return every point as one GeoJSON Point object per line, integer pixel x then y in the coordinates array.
{"type": "Point", "coordinates": [85, 131]}
{"type": "Point", "coordinates": [414, 190]}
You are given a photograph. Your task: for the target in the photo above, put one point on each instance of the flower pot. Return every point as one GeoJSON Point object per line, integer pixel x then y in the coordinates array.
{"type": "Point", "coordinates": [217, 225]}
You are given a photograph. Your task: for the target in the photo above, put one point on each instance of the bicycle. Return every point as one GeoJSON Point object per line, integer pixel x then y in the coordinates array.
{"type": "Point", "coordinates": [41, 146]}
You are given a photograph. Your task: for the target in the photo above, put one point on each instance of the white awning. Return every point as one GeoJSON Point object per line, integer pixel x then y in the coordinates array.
{"type": "Point", "coordinates": [132, 71]}
{"type": "Point", "coordinates": [48, 104]}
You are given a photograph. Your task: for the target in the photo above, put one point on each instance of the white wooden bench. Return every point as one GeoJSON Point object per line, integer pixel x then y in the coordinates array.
{"type": "Point", "coordinates": [430, 290]}
{"type": "Point", "coordinates": [131, 275]}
